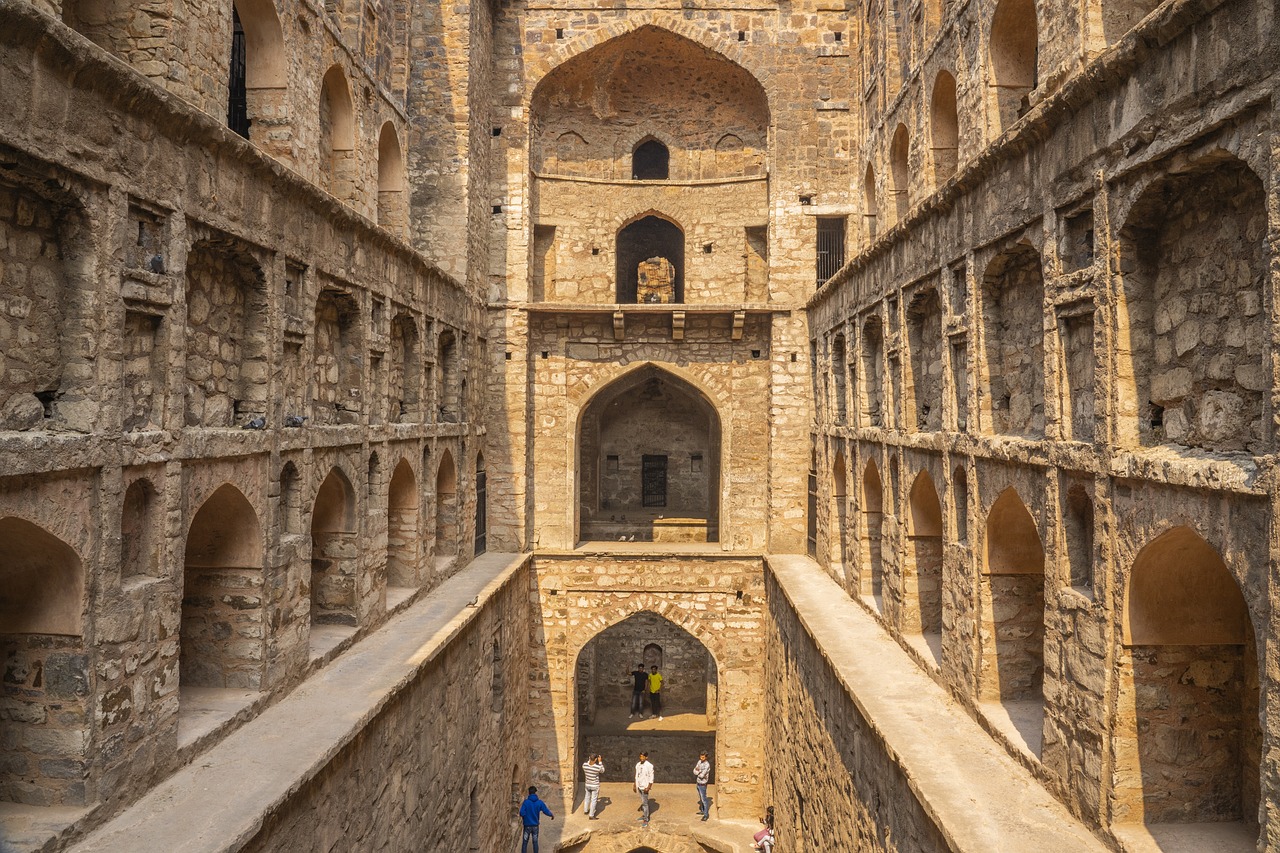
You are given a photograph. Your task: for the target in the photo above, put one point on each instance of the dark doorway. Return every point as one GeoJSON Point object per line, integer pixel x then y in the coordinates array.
{"type": "Point", "coordinates": [644, 240]}
{"type": "Point", "coordinates": [650, 161]}
{"type": "Point", "coordinates": [238, 93]}
{"type": "Point", "coordinates": [482, 510]}
{"type": "Point", "coordinates": [653, 480]}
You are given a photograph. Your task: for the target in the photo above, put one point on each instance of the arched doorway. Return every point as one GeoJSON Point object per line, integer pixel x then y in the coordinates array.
{"type": "Point", "coordinates": [650, 253]}
{"type": "Point", "coordinates": [872, 569]}
{"type": "Point", "coordinates": [482, 507]}
{"type": "Point", "coordinates": [446, 544]}
{"type": "Point", "coordinates": [1011, 592]}
{"type": "Point", "coordinates": [41, 608]}
{"type": "Point", "coordinates": [1188, 739]}
{"type": "Point", "coordinates": [922, 610]}
{"type": "Point", "coordinates": [649, 462]}
{"type": "Point", "coordinates": [221, 634]}
{"type": "Point", "coordinates": [402, 528]}
{"type": "Point", "coordinates": [602, 691]}
{"type": "Point", "coordinates": [334, 552]}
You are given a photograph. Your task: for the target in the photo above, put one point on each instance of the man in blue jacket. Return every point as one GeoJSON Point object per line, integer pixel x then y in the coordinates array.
{"type": "Point", "coordinates": [531, 811]}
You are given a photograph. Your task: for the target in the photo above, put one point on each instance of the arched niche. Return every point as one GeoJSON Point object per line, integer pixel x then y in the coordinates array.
{"type": "Point", "coordinates": [402, 527]}
{"type": "Point", "coordinates": [650, 261]}
{"type": "Point", "coordinates": [839, 376]}
{"type": "Point", "coordinates": [1189, 675]}
{"type": "Point", "coordinates": [690, 695]}
{"type": "Point", "coordinates": [223, 629]}
{"type": "Point", "coordinates": [649, 461]}
{"type": "Point", "coordinates": [1012, 53]}
{"type": "Point", "coordinates": [337, 134]}
{"type": "Point", "coordinates": [675, 92]}
{"type": "Point", "coordinates": [1012, 607]}
{"type": "Point", "coordinates": [870, 203]}
{"type": "Point", "coordinates": [944, 127]}
{"type": "Point", "coordinates": [140, 537]}
{"type": "Point", "coordinates": [900, 171]}
{"type": "Point", "coordinates": [650, 161]}
{"type": "Point", "coordinates": [335, 551]}
{"type": "Point", "coordinates": [872, 533]}
{"type": "Point", "coordinates": [922, 584]}
{"type": "Point", "coordinates": [924, 340]}
{"type": "Point", "coordinates": [446, 542]}
{"type": "Point", "coordinates": [41, 581]}
{"type": "Point", "coordinates": [838, 524]}
{"type": "Point", "coordinates": [391, 180]}
{"type": "Point", "coordinates": [258, 73]}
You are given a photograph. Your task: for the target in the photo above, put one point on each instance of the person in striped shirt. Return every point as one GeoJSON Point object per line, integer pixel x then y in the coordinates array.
{"type": "Point", "coordinates": [593, 769]}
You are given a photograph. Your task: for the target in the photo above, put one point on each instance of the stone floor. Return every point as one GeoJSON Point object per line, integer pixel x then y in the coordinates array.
{"type": "Point", "coordinates": [1187, 838]}
{"type": "Point", "coordinates": [24, 828]}
{"type": "Point", "coordinates": [673, 812]}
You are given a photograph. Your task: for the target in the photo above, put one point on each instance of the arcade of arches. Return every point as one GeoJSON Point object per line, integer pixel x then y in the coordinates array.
{"type": "Point", "coordinates": [380, 384]}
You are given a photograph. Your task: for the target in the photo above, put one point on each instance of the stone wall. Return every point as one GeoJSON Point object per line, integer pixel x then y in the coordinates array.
{"type": "Point", "coordinates": [1063, 294]}
{"type": "Point", "coordinates": [410, 780]}
{"type": "Point", "coordinates": [189, 271]}
{"type": "Point", "coordinates": [834, 783]}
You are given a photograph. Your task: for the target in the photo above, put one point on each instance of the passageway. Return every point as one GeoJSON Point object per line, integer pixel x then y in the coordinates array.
{"type": "Point", "coordinates": [689, 700]}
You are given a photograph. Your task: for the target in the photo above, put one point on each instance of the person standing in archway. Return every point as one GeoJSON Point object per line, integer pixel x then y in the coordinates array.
{"type": "Point", "coordinates": [701, 777]}
{"type": "Point", "coordinates": [655, 692]}
{"type": "Point", "coordinates": [592, 771]}
{"type": "Point", "coordinates": [644, 781]}
{"type": "Point", "coordinates": [639, 686]}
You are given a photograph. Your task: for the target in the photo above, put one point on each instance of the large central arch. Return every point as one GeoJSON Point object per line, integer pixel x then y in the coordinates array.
{"type": "Point", "coordinates": [649, 461]}
{"type": "Point", "coordinates": [601, 698]}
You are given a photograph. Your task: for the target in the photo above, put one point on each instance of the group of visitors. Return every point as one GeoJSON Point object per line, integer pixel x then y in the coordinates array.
{"type": "Point", "coordinates": [646, 684]}
{"type": "Point", "coordinates": [593, 769]}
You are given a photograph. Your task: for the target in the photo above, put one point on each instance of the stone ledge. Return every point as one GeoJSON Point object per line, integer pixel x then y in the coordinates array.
{"type": "Point", "coordinates": [977, 796]}
{"type": "Point", "coordinates": [257, 768]}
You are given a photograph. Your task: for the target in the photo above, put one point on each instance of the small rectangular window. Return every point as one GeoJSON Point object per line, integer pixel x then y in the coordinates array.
{"type": "Point", "coordinates": [830, 246]}
{"type": "Point", "coordinates": [695, 463]}
{"type": "Point", "coordinates": [611, 463]}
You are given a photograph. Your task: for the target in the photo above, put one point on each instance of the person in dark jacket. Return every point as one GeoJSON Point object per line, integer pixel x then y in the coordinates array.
{"type": "Point", "coordinates": [531, 811]}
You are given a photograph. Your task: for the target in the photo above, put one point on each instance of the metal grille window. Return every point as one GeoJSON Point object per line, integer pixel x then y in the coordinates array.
{"type": "Point", "coordinates": [238, 94]}
{"type": "Point", "coordinates": [830, 246]}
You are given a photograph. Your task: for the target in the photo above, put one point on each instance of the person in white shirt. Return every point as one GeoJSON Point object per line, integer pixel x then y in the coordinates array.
{"type": "Point", "coordinates": [592, 771]}
{"type": "Point", "coordinates": [644, 781]}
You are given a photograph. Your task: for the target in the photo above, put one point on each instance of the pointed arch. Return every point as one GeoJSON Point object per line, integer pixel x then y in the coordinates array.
{"type": "Point", "coordinates": [445, 548]}
{"type": "Point", "coordinates": [334, 551]}
{"type": "Point", "coordinates": [402, 527]}
{"type": "Point", "coordinates": [1189, 675]}
{"type": "Point", "coordinates": [650, 160]}
{"type": "Point", "coordinates": [679, 447]}
{"type": "Point", "coordinates": [900, 171]}
{"type": "Point", "coordinates": [872, 533]}
{"type": "Point", "coordinates": [650, 259]}
{"type": "Point", "coordinates": [337, 138]}
{"type": "Point", "coordinates": [41, 581]}
{"type": "Point", "coordinates": [944, 125]}
{"type": "Point", "coordinates": [922, 584]}
{"type": "Point", "coordinates": [1012, 606]}
{"type": "Point", "coordinates": [223, 551]}
{"type": "Point", "coordinates": [391, 179]}
{"type": "Point", "coordinates": [1012, 55]}
{"type": "Point", "coordinates": [838, 524]}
